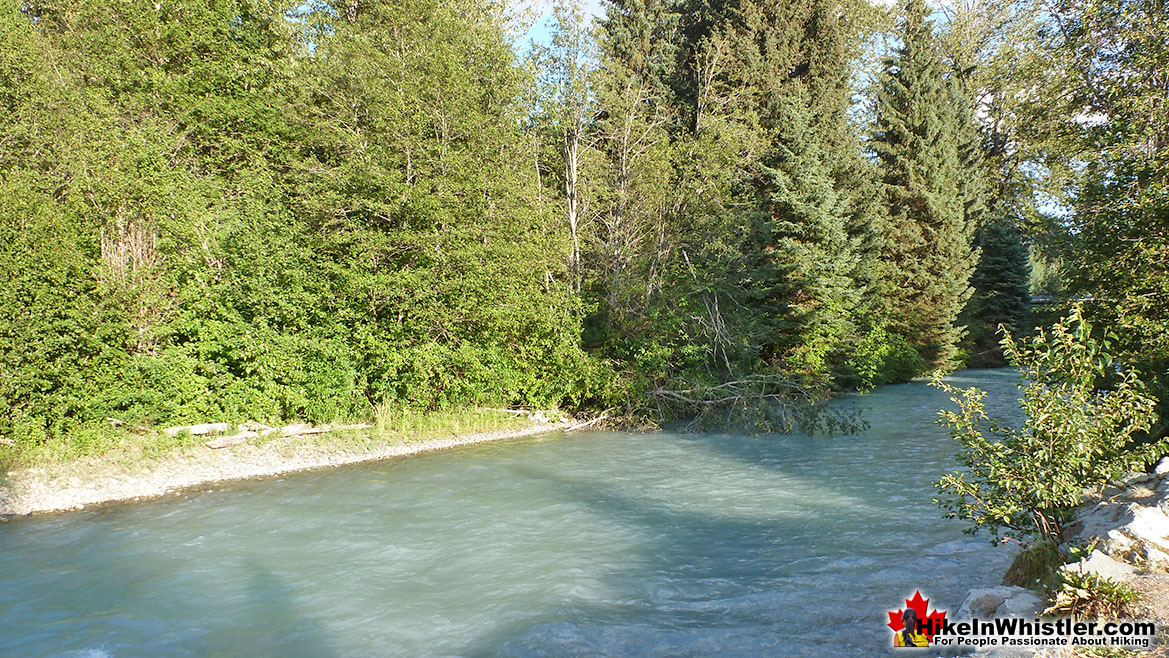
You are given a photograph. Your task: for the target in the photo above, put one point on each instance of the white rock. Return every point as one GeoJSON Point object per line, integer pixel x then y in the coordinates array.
{"type": "Point", "coordinates": [1130, 531]}
{"type": "Point", "coordinates": [1101, 564]}
{"type": "Point", "coordinates": [983, 602]}
{"type": "Point", "coordinates": [1023, 603]}
{"type": "Point", "coordinates": [1162, 466]}
{"type": "Point", "coordinates": [1001, 601]}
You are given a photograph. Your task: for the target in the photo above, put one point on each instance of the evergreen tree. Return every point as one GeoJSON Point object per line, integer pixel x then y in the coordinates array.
{"type": "Point", "coordinates": [769, 216]}
{"type": "Point", "coordinates": [793, 62]}
{"type": "Point", "coordinates": [809, 251]}
{"type": "Point", "coordinates": [1002, 292]}
{"type": "Point", "coordinates": [921, 140]}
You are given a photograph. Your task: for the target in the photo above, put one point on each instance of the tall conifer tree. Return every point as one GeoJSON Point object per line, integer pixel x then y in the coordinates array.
{"type": "Point", "coordinates": [922, 139]}
{"type": "Point", "coordinates": [810, 255]}
{"type": "Point", "coordinates": [793, 63]}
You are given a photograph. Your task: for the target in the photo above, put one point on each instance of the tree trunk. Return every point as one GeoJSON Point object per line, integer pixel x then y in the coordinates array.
{"type": "Point", "coordinates": [572, 200]}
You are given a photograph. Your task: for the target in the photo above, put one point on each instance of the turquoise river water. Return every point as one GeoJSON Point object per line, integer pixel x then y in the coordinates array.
{"type": "Point", "coordinates": [593, 544]}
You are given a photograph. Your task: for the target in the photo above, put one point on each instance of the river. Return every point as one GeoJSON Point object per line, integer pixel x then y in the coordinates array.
{"type": "Point", "coordinates": [594, 544]}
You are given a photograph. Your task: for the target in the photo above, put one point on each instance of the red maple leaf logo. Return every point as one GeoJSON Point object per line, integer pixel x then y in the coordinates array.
{"type": "Point", "coordinates": [930, 623]}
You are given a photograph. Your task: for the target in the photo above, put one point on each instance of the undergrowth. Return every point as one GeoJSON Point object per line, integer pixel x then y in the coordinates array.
{"type": "Point", "coordinates": [131, 449]}
{"type": "Point", "coordinates": [1035, 567]}
{"type": "Point", "coordinates": [1090, 595]}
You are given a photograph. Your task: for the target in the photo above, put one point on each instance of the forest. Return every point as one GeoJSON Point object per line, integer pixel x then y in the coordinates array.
{"type": "Point", "coordinates": [276, 210]}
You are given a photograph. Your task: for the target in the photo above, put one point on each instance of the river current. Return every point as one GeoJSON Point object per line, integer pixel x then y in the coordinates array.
{"type": "Point", "coordinates": [592, 544]}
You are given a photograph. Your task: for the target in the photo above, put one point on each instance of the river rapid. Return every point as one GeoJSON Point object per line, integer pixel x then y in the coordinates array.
{"type": "Point", "coordinates": [593, 544]}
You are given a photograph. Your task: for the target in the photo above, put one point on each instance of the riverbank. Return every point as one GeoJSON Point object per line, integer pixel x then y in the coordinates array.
{"type": "Point", "coordinates": [1127, 526]}
{"type": "Point", "coordinates": [82, 483]}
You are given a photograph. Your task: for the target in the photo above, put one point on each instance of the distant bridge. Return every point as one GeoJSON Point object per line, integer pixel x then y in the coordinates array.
{"type": "Point", "coordinates": [1043, 300]}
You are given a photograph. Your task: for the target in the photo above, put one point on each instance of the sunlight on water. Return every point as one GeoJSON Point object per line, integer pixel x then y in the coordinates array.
{"type": "Point", "coordinates": [594, 544]}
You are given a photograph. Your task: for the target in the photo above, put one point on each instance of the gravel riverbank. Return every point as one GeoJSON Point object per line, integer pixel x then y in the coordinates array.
{"type": "Point", "coordinates": [92, 482]}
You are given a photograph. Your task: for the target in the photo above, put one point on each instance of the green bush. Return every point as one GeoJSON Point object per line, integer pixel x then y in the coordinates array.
{"type": "Point", "coordinates": [58, 339]}
{"type": "Point", "coordinates": [883, 358]}
{"type": "Point", "coordinates": [1082, 412]}
{"type": "Point", "coordinates": [1092, 596]}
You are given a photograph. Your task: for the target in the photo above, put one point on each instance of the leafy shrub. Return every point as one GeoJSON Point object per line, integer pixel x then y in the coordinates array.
{"type": "Point", "coordinates": [883, 358]}
{"type": "Point", "coordinates": [1022, 482]}
{"type": "Point", "coordinates": [1093, 596]}
{"type": "Point", "coordinates": [58, 340]}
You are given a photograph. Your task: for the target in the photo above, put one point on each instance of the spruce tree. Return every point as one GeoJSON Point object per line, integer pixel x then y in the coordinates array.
{"type": "Point", "coordinates": [771, 176]}
{"type": "Point", "coordinates": [922, 140]}
{"type": "Point", "coordinates": [794, 62]}
{"type": "Point", "coordinates": [809, 254]}
{"type": "Point", "coordinates": [1002, 291]}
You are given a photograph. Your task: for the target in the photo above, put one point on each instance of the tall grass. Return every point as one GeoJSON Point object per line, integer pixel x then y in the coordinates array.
{"type": "Point", "coordinates": [391, 426]}
{"type": "Point", "coordinates": [408, 425]}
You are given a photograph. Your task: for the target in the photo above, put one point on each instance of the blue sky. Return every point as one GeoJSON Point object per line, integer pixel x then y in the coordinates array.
{"type": "Point", "coordinates": [541, 28]}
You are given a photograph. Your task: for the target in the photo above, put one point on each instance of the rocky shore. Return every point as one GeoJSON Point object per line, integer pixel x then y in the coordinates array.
{"type": "Point", "coordinates": [1130, 524]}
{"type": "Point", "coordinates": [79, 485]}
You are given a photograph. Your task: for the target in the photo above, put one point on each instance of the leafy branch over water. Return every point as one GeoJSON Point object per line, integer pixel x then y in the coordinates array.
{"type": "Point", "coordinates": [1086, 415]}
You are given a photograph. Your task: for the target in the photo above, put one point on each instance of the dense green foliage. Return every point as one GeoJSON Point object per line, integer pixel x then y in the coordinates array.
{"type": "Point", "coordinates": [1078, 153]}
{"type": "Point", "coordinates": [1083, 414]}
{"type": "Point", "coordinates": [735, 240]}
{"type": "Point", "coordinates": [276, 210]}
{"type": "Point", "coordinates": [1120, 225]}
{"type": "Point", "coordinates": [205, 218]}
